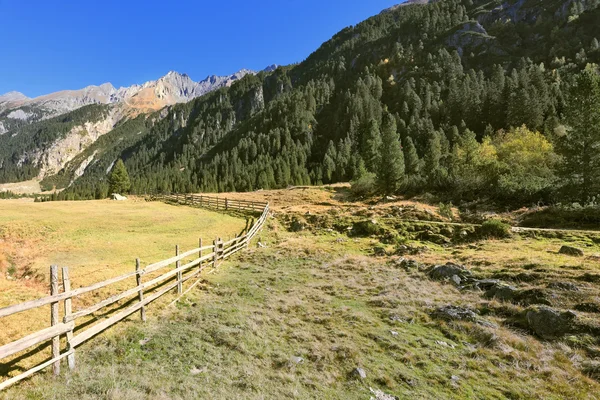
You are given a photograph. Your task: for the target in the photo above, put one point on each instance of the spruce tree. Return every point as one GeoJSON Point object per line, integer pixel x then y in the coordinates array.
{"type": "Point", "coordinates": [118, 180]}
{"type": "Point", "coordinates": [581, 146]}
{"type": "Point", "coordinates": [371, 145]}
{"type": "Point", "coordinates": [411, 158]}
{"type": "Point", "coordinates": [391, 166]}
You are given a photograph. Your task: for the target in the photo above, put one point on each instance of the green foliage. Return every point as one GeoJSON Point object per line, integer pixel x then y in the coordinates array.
{"type": "Point", "coordinates": [364, 186]}
{"type": "Point", "coordinates": [118, 180]}
{"type": "Point", "coordinates": [445, 210]}
{"type": "Point", "coordinates": [493, 229]}
{"type": "Point", "coordinates": [391, 164]}
{"type": "Point", "coordinates": [580, 146]}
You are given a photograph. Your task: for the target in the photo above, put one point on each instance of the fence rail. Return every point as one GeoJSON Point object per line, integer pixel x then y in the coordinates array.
{"type": "Point", "coordinates": [142, 294]}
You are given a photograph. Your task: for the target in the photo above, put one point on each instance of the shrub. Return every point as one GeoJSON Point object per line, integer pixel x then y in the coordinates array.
{"type": "Point", "coordinates": [445, 211]}
{"type": "Point", "coordinates": [364, 186]}
{"type": "Point", "coordinates": [494, 229]}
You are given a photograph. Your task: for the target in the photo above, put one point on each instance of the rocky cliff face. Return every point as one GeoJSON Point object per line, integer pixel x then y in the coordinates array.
{"type": "Point", "coordinates": [53, 158]}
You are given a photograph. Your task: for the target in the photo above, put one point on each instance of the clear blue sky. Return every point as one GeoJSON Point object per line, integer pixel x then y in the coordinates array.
{"type": "Point", "coordinates": [51, 45]}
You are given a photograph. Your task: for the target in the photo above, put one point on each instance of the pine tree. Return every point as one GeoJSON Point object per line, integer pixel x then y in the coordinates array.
{"type": "Point", "coordinates": [118, 180]}
{"type": "Point", "coordinates": [391, 167]}
{"type": "Point", "coordinates": [411, 158]}
{"type": "Point", "coordinates": [371, 145]}
{"type": "Point", "coordinates": [581, 146]}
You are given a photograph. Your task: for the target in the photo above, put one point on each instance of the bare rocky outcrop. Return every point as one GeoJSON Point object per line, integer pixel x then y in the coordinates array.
{"type": "Point", "coordinates": [52, 159]}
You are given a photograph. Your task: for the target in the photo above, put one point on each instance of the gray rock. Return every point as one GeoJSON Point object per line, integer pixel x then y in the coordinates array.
{"type": "Point", "coordinates": [379, 395]}
{"type": "Point", "coordinates": [441, 272]}
{"type": "Point", "coordinates": [549, 323]}
{"type": "Point", "coordinates": [407, 263]}
{"type": "Point", "coordinates": [502, 292]}
{"type": "Point", "coordinates": [451, 313]}
{"type": "Point", "coordinates": [456, 280]}
{"type": "Point", "coordinates": [359, 373]}
{"type": "Point", "coordinates": [571, 251]}
{"type": "Point", "coordinates": [296, 360]}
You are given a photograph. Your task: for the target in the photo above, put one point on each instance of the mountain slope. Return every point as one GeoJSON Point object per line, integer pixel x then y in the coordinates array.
{"type": "Point", "coordinates": [23, 121]}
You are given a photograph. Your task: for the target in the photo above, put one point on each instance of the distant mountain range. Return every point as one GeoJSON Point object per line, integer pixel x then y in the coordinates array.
{"type": "Point", "coordinates": [17, 109]}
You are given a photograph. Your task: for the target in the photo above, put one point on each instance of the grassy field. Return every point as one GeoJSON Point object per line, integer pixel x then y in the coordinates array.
{"type": "Point", "coordinates": [97, 240]}
{"type": "Point", "coordinates": [295, 319]}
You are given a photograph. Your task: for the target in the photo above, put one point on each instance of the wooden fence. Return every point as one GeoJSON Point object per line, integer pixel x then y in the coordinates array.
{"type": "Point", "coordinates": [141, 295]}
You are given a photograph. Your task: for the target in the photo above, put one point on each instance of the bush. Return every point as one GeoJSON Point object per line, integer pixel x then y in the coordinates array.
{"type": "Point", "coordinates": [445, 210]}
{"type": "Point", "coordinates": [494, 229]}
{"type": "Point", "coordinates": [364, 186]}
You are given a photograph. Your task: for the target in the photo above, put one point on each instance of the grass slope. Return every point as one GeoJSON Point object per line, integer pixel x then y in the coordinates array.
{"type": "Point", "coordinates": [97, 240]}
{"type": "Point", "coordinates": [295, 319]}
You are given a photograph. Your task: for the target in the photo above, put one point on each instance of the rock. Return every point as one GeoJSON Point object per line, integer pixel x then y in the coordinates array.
{"type": "Point", "coordinates": [452, 313]}
{"type": "Point", "coordinates": [432, 237]}
{"type": "Point", "coordinates": [407, 263]}
{"type": "Point", "coordinates": [394, 333]}
{"type": "Point", "coordinates": [143, 342]}
{"type": "Point", "coordinates": [198, 371]}
{"type": "Point", "coordinates": [456, 280]}
{"type": "Point", "coordinates": [404, 250]}
{"type": "Point", "coordinates": [485, 284]}
{"type": "Point", "coordinates": [379, 395]}
{"type": "Point", "coordinates": [441, 272]}
{"type": "Point", "coordinates": [549, 323]}
{"type": "Point", "coordinates": [296, 360]}
{"type": "Point", "coordinates": [571, 251]}
{"type": "Point", "coordinates": [566, 286]}
{"type": "Point", "coordinates": [359, 373]}
{"type": "Point", "coordinates": [502, 292]}
{"type": "Point", "coordinates": [379, 251]}
{"type": "Point", "coordinates": [118, 197]}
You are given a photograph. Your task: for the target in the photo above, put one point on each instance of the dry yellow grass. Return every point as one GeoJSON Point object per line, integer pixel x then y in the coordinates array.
{"type": "Point", "coordinates": [97, 240]}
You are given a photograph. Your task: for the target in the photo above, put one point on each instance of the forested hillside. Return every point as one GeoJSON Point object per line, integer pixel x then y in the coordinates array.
{"type": "Point", "coordinates": [466, 99]}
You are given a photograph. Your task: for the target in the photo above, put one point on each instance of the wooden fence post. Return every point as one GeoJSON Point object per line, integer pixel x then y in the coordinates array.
{"type": "Point", "coordinates": [68, 312]}
{"type": "Point", "coordinates": [226, 204]}
{"type": "Point", "coordinates": [179, 274]}
{"type": "Point", "coordinates": [54, 317]}
{"type": "Point", "coordinates": [138, 279]}
{"type": "Point", "coordinates": [200, 200]}
{"type": "Point", "coordinates": [217, 202]}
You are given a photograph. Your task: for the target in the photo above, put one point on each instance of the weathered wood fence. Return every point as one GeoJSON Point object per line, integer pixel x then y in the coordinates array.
{"type": "Point", "coordinates": [144, 293]}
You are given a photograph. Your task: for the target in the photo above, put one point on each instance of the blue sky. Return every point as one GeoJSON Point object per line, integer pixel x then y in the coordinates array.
{"type": "Point", "coordinates": [51, 45]}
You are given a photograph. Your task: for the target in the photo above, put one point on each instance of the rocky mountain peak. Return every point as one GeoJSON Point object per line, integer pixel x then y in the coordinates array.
{"type": "Point", "coordinates": [12, 96]}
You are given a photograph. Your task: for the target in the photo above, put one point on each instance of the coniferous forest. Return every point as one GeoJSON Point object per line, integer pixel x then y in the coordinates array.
{"type": "Point", "coordinates": [462, 99]}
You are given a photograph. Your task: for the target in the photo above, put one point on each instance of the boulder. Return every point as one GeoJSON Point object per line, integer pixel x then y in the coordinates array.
{"type": "Point", "coordinates": [571, 251]}
{"type": "Point", "coordinates": [447, 271]}
{"type": "Point", "coordinates": [407, 264]}
{"type": "Point", "coordinates": [502, 292]}
{"type": "Point", "coordinates": [359, 373]}
{"type": "Point", "coordinates": [549, 323]}
{"type": "Point", "coordinates": [452, 313]}
{"type": "Point", "coordinates": [432, 237]}
{"type": "Point", "coordinates": [118, 197]}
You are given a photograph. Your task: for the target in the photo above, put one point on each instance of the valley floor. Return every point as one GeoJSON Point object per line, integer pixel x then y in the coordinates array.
{"type": "Point", "coordinates": [305, 316]}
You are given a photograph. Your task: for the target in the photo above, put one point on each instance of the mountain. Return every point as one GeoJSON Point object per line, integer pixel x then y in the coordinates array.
{"type": "Point", "coordinates": [23, 119]}
{"type": "Point", "coordinates": [447, 82]}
